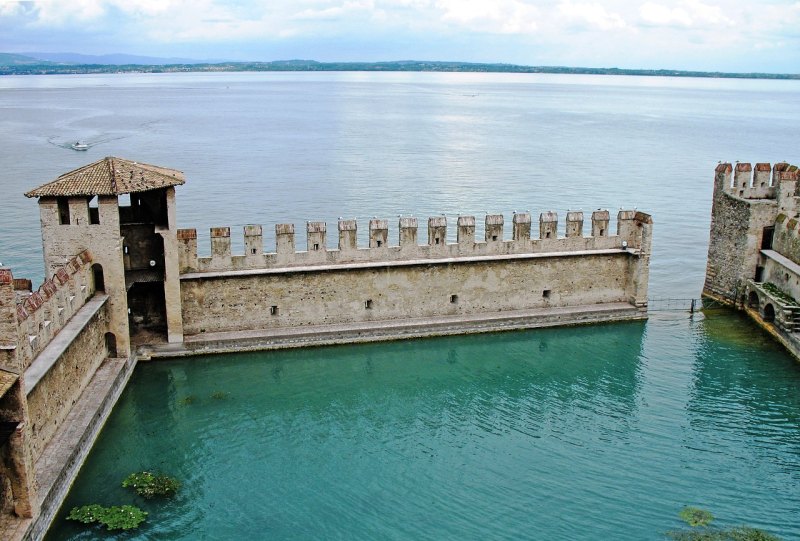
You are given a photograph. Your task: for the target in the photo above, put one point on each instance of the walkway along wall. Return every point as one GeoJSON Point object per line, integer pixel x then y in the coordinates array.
{"type": "Point", "coordinates": [53, 342]}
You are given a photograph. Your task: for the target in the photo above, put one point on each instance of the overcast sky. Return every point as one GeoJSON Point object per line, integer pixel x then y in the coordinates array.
{"type": "Point", "coordinates": [726, 35]}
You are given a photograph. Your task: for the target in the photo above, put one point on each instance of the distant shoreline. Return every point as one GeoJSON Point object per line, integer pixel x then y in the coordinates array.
{"type": "Point", "coordinates": [53, 68]}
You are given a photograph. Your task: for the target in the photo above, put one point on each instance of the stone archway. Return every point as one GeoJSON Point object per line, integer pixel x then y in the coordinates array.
{"type": "Point", "coordinates": [769, 313]}
{"type": "Point", "coordinates": [111, 344]}
{"type": "Point", "coordinates": [99, 280]}
{"type": "Point", "coordinates": [752, 300]}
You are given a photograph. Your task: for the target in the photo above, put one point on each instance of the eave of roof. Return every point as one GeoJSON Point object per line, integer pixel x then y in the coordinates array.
{"type": "Point", "coordinates": [109, 176]}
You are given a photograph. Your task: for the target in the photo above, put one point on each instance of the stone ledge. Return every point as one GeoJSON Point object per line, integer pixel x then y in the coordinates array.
{"type": "Point", "coordinates": [58, 345]}
{"type": "Point", "coordinates": [58, 466]}
{"type": "Point", "coordinates": [384, 330]}
{"type": "Point", "coordinates": [404, 263]}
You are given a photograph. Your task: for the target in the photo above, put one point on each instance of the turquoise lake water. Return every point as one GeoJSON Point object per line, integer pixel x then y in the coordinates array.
{"type": "Point", "coordinates": [601, 432]}
{"type": "Point", "coordinates": [588, 433]}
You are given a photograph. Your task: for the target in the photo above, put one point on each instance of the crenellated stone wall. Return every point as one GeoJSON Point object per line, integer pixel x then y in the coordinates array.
{"type": "Point", "coordinates": [380, 283]}
{"type": "Point", "coordinates": [379, 250]}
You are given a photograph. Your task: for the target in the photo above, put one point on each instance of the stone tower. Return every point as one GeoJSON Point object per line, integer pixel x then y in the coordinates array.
{"type": "Point", "coordinates": [123, 212]}
{"type": "Point", "coordinates": [749, 203]}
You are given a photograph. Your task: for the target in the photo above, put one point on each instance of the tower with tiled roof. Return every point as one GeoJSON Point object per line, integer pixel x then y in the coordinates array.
{"type": "Point", "coordinates": [123, 212]}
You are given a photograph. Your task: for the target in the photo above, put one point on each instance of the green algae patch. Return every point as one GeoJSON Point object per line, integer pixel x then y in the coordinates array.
{"type": "Point", "coordinates": [149, 485]}
{"type": "Point", "coordinates": [700, 519]}
{"type": "Point", "coordinates": [694, 516]}
{"type": "Point", "coordinates": [117, 517]}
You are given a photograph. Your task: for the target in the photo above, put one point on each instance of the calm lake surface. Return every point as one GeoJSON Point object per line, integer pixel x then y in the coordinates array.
{"type": "Point", "coordinates": [585, 433]}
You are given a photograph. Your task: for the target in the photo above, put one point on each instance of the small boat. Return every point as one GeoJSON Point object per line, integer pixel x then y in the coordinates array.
{"type": "Point", "coordinates": [78, 145]}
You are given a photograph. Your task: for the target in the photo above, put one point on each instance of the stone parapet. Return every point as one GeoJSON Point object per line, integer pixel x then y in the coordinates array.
{"type": "Point", "coordinates": [381, 249]}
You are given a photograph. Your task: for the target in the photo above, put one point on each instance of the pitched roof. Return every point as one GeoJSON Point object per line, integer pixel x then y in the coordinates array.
{"type": "Point", "coordinates": [109, 176]}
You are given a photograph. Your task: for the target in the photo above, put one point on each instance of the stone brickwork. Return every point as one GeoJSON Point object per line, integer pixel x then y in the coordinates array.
{"type": "Point", "coordinates": [747, 202]}
{"type": "Point", "coordinates": [383, 283]}
{"type": "Point", "coordinates": [52, 398]}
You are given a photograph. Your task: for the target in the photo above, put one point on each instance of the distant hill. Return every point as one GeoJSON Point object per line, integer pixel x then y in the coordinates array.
{"type": "Point", "coordinates": [8, 59]}
{"type": "Point", "coordinates": [111, 59]}
{"type": "Point", "coordinates": [71, 63]}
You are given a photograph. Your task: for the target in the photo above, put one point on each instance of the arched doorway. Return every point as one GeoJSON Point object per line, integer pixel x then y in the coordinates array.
{"type": "Point", "coordinates": [97, 275]}
{"type": "Point", "coordinates": [769, 313]}
{"type": "Point", "coordinates": [752, 300]}
{"type": "Point", "coordinates": [111, 344]}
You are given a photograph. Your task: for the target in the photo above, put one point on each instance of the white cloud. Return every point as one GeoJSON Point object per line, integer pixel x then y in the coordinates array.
{"type": "Point", "coordinates": [687, 13]}
{"type": "Point", "coordinates": [499, 16]}
{"type": "Point", "coordinates": [591, 15]}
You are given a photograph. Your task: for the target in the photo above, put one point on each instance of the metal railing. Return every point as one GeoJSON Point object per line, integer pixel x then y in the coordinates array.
{"type": "Point", "coordinates": [660, 304]}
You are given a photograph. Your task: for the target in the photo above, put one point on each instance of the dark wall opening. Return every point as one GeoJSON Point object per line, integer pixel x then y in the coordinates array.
{"type": "Point", "coordinates": [99, 280]}
{"type": "Point", "coordinates": [769, 313]}
{"type": "Point", "coordinates": [63, 210]}
{"type": "Point", "coordinates": [147, 307]}
{"type": "Point", "coordinates": [142, 245]}
{"type": "Point", "coordinates": [752, 300]}
{"type": "Point", "coordinates": [766, 238]}
{"type": "Point", "coordinates": [146, 208]}
{"type": "Point", "coordinates": [111, 344]}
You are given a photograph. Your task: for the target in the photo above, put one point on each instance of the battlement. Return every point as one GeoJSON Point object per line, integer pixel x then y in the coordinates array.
{"type": "Point", "coordinates": [379, 248]}
{"type": "Point", "coordinates": [748, 182]}
{"type": "Point", "coordinates": [31, 319]}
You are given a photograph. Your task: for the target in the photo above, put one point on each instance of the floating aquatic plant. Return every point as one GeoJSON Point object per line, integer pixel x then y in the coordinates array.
{"type": "Point", "coordinates": [117, 517]}
{"type": "Point", "coordinates": [186, 400]}
{"type": "Point", "coordinates": [150, 485]}
{"type": "Point", "coordinates": [694, 516]}
{"type": "Point", "coordinates": [699, 519]}
{"type": "Point", "coordinates": [219, 395]}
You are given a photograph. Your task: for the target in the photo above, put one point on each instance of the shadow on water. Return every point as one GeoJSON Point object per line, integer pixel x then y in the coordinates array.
{"type": "Point", "coordinates": [369, 441]}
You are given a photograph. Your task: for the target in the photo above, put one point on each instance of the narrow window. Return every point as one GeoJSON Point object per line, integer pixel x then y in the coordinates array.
{"type": "Point", "coordinates": [546, 294]}
{"type": "Point", "coordinates": [273, 310]}
{"type": "Point", "coordinates": [602, 232]}
{"type": "Point", "coordinates": [436, 240]}
{"type": "Point", "coordinates": [253, 251]}
{"type": "Point", "coordinates": [368, 304]}
{"type": "Point", "coordinates": [547, 235]}
{"type": "Point", "coordinates": [63, 211]}
{"type": "Point", "coordinates": [94, 211]}
{"type": "Point", "coordinates": [453, 299]}
{"type": "Point", "coordinates": [316, 246]}
{"type": "Point", "coordinates": [379, 243]}
{"type": "Point", "coordinates": [125, 250]}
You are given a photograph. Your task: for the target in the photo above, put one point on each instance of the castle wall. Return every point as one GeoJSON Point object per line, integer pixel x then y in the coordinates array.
{"type": "Point", "coordinates": [316, 287]}
{"type": "Point", "coordinates": [40, 315]}
{"type": "Point", "coordinates": [738, 220]}
{"type": "Point", "coordinates": [293, 298]}
{"type": "Point", "coordinates": [51, 400]}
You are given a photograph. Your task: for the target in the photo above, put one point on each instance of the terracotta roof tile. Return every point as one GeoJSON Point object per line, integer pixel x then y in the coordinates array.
{"type": "Point", "coordinates": [109, 176]}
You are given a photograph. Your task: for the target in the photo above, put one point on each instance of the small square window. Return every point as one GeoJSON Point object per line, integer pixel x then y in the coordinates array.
{"type": "Point", "coordinates": [546, 294]}
{"type": "Point", "coordinates": [436, 240]}
{"type": "Point", "coordinates": [494, 237]}
{"type": "Point", "coordinates": [253, 251]}
{"type": "Point", "coordinates": [379, 243]}
{"type": "Point", "coordinates": [453, 299]}
{"type": "Point", "coordinates": [273, 310]}
{"type": "Point", "coordinates": [368, 304]}
{"type": "Point", "coordinates": [547, 235]}
{"type": "Point", "coordinates": [316, 246]}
